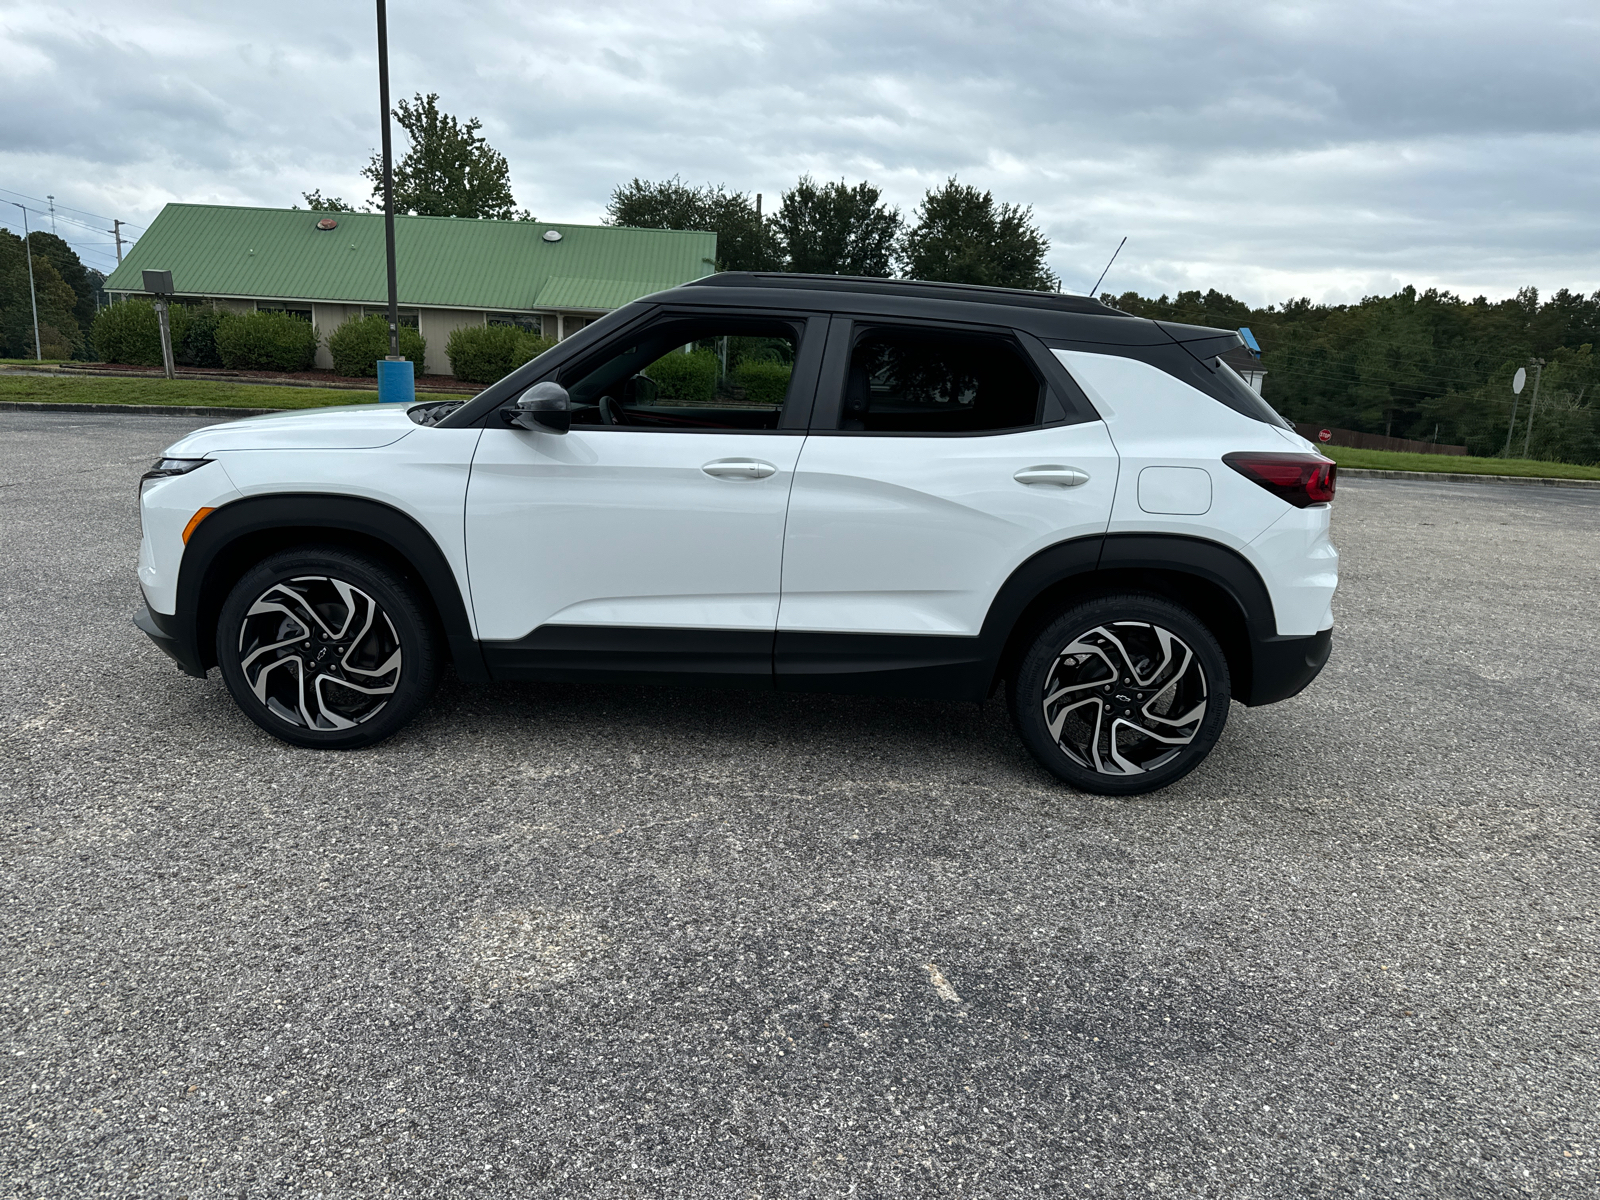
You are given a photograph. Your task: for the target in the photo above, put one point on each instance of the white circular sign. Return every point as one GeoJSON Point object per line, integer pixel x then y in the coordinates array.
{"type": "Point", "coordinates": [1517, 380]}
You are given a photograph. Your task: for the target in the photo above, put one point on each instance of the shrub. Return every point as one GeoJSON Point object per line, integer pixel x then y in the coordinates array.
{"type": "Point", "coordinates": [686, 378]}
{"type": "Point", "coordinates": [486, 353]}
{"type": "Point", "coordinates": [266, 341]}
{"type": "Point", "coordinates": [358, 344]}
{"type": "Point", "coordinates": [128, 332]}
{"type": "Point", "coordinates": [198, 347]}
{"type": "Point", "coordinates": [763, 382]}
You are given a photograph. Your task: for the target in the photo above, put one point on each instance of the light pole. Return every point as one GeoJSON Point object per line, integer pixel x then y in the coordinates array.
{"type": "Point", "coordinates": [395, 381]}
{"type": "Point", "coordinates": [27, 252]}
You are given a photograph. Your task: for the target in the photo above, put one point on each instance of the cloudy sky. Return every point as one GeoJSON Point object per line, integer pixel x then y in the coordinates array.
{"type": "Point", "coordinates": [1266, 149]}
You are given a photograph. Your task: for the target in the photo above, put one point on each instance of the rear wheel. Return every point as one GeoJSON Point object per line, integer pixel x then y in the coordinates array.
{"type": "Point", "coordinates": [1121, 694]}
{"type": "Point", "coordinates": [325, 648]}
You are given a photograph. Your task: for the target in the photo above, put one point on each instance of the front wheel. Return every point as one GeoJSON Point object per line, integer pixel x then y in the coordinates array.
{"type": "Point", "coordinates": [1121, 695]}
{"type": "Point", "coordinates": [325, 648]}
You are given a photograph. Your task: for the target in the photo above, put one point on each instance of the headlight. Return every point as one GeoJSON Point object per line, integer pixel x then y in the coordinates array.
{"type": "Point", "coordinates": [167, 467]}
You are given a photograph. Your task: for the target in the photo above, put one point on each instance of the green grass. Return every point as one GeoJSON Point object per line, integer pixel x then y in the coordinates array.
{"type": "Point", "coordinates": [31, 362]}
{"type": "Point", "coordinates": [1389, 460]}
{"type": "Point", "coordinates": [96, 390]}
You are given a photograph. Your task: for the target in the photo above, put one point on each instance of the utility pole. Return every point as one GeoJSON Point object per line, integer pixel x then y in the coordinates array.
{"type": "Point", "coordinates": [1538, 372]}
{"type": "Point", "coordinates": [116, 232]}
{"type": "Point", "coordinates": [27, 252]}
{"type": "Point", "coordinates": [52, 200]}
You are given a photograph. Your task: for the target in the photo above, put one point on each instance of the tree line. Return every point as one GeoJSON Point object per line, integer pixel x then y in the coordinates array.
{"type": "Point", "coordinates": [64, 288]}
{"type": "Point", "coordinates": [959, 234]}
{"type": "Point", "coordinates": [1423, 364]}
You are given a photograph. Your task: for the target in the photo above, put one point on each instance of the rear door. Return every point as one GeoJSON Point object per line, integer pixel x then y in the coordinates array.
{"type": "Point", "coordinates": [647, 541]}
{"type": "Point", "coordinates": [940, 459]}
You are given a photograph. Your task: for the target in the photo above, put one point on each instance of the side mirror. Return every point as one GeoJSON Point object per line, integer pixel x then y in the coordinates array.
{"type": "Point", "coordinates": [543, 408]}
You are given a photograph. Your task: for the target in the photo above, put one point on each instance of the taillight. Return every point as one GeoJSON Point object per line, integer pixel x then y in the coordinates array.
{"type": "Point", "coordinates": [1301, 479]}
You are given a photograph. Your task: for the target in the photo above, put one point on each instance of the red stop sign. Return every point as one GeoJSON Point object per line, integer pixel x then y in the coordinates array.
{"type": "Point", "coordinates": [1325, 436]}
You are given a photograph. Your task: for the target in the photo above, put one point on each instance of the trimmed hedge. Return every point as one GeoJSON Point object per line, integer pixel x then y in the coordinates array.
{"type": "Point", "coordinates": [130, 332]}
{"type": "Point", "coordinates": [686, 378]}
{"type": "Point", "coordinates": [487, 353]}
{"type": "Point", "coordinates": [358, 344]}
{"type": "Point", "coordinates": [198, 346]}
{"type": "Point", "coordinates": [763, 382]}
{"type": "Point", "coordinates": [265, 341]}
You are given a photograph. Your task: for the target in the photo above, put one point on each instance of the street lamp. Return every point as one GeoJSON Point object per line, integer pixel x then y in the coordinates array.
{"type": "Point", "coordinates": [396, 378]}
{"type": "Point", "coordinates": [27, 253]}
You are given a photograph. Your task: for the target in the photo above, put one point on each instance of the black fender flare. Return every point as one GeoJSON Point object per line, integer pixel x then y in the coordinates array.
{"type": "Point", "coordinates": [245, 531]}
{"type": "Point", "coordinates": [1229, 594]}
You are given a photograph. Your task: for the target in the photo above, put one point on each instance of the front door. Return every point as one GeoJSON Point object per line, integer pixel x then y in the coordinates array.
{"type": "Point", "coordinates": [648, 541]}
{"type": "Point", "coordinates": [943, 462]}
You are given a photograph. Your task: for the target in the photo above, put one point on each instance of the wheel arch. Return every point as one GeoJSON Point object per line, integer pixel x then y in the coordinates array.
{"type": "Point", "coordinates": [1213, 581]}
{"type": "Point", "coordinates": [238, 535]}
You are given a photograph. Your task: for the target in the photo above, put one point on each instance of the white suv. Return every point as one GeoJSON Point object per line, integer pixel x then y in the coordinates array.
{"type": "Point", "coordinates": [785, 482]}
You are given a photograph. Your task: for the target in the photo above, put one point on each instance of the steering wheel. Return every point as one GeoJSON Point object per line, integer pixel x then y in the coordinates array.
{"type": "Point", "coordinates": [610, 411]}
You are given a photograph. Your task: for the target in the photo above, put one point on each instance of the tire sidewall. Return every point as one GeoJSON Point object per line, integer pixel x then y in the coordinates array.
{"type": "Point", "coordinates": [411, 626]}
{"type": "Point", "coordinates": [1027, 689]}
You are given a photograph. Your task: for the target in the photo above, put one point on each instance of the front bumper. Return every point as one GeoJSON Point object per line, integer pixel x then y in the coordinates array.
{"type": "Point", "coordinates": [1281, 667]}
{"type": "Point", "coordinates": [157, 627]}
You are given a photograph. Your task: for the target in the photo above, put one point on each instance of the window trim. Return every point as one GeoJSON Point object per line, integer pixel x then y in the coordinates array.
{"type": "Point", "coordinates": [795, 414]}
{"type": "Point", "coordinates": [842, 337]}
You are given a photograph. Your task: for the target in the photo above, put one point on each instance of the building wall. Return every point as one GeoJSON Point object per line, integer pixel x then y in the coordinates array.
{"type": "Point", "coordinates": [436, 326]}
{"type": "Point", "coordinates": [327, 318]}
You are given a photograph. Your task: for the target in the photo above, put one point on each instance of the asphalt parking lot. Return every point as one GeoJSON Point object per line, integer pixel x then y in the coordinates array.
{"type": "Point", "coordinates": [562, 941]}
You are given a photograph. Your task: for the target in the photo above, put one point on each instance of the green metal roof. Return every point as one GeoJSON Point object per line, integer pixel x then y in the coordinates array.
{"type": "Point", "coordinates": [446, 262]}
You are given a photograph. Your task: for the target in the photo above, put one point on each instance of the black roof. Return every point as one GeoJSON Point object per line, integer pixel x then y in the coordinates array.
{"type": "Point", "coordinates": [910, 289]}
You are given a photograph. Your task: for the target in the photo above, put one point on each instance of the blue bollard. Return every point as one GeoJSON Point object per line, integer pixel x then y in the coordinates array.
{"type": "Point", "coordinates": [397, 381]}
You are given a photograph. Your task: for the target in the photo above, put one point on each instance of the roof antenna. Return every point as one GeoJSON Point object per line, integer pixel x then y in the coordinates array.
{"type": "Point", "coordinates": [1094, 291]}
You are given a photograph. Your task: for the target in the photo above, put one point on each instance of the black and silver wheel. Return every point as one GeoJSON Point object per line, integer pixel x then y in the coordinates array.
{"type": "Point", "coordinates": [321, 647]}
{"type": "Point", "coordinates": [1121, 695]}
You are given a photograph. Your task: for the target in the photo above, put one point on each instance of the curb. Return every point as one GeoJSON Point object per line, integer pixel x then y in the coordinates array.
{"type": "Point", "coordinates": [191, 375]}
{"type": "Point", "coordinates": [1458, 477]}
{"type": "Point", "coordinates": [149, 410]}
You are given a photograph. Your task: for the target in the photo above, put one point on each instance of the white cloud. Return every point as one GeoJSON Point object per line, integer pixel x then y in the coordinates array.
{"type": "Point", "coordinates": [1267, 149]}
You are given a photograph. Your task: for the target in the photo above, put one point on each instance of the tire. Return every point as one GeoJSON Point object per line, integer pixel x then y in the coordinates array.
{"type": "Point", "coordinates": [1167, 702]}
{"type": "Point", "coordinates": [325, 648]}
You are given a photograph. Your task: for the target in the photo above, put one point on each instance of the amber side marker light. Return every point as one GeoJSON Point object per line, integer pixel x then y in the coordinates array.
{"type": "Point", "coordinates": [194, 521]}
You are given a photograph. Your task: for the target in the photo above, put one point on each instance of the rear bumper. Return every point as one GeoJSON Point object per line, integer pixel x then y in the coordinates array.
{"type": "Point", "coordinates": [158, 628]}
{"type": "Point", "coordinates": [1281, 667]}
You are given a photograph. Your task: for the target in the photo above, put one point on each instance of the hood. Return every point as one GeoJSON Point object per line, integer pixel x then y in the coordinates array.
{"type": "Point", "coordinates": [348, 427]}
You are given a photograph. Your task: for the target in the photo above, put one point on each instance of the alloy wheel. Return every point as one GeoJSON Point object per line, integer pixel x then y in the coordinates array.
{"type": "Point", "coordinates": [1125, 698]}
{"type": "Point", "coordinates": [319, 653]}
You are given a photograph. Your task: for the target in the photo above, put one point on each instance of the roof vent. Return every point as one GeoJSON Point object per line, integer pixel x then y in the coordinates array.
{"type": "Point", "coordinates": [552, 235]}
{"type": "Point", "coordinates": [327, 223]}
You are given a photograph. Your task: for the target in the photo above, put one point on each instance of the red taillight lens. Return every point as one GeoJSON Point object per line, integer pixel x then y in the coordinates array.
{"type": "Point", "coordinates": [1301, 479]}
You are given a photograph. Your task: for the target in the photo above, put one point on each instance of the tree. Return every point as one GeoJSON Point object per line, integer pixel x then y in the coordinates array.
{"type": "Point", "coordinates": [317, 202]}
{"type": "Point", "coordinates": [832, 229]}
{"type": "Point", "coordinates": [743, 242]}
{"type": "Point", "coordinates": [72, 272]}
{"type": "Point", "coordinates": [963, 236]}
{"type": "Point", "coordinates": [59, 335]}
{"type": "Point", "coordinates": [449, 171]}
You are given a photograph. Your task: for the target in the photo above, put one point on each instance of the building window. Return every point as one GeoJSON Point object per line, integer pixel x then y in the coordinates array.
{"type": "Point", "coordinates": [529, 322]}
{"type": "Point", "coordinates": [408, 316]}
{"type": "Point", "coordinates": [303, 313]}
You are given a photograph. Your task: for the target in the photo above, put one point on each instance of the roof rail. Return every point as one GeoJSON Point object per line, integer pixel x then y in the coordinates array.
{"type": "Point", "coordinates": [921, 289]}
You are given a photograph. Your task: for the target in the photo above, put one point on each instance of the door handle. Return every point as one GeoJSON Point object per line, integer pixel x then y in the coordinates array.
{"type": "Point", "coordinates": [739, 468]}
{"type": "Point", "coordinates": [1053, 475]}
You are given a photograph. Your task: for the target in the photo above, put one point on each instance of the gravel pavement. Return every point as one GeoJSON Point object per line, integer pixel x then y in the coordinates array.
{"type": "Point", "coordinates": [569, 942]}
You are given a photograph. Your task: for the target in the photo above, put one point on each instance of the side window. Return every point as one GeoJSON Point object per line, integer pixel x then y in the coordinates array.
{"type": "Point", "coordinates": [729, 373]}
{"type": "Point", "coordinates": [926, 381]}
